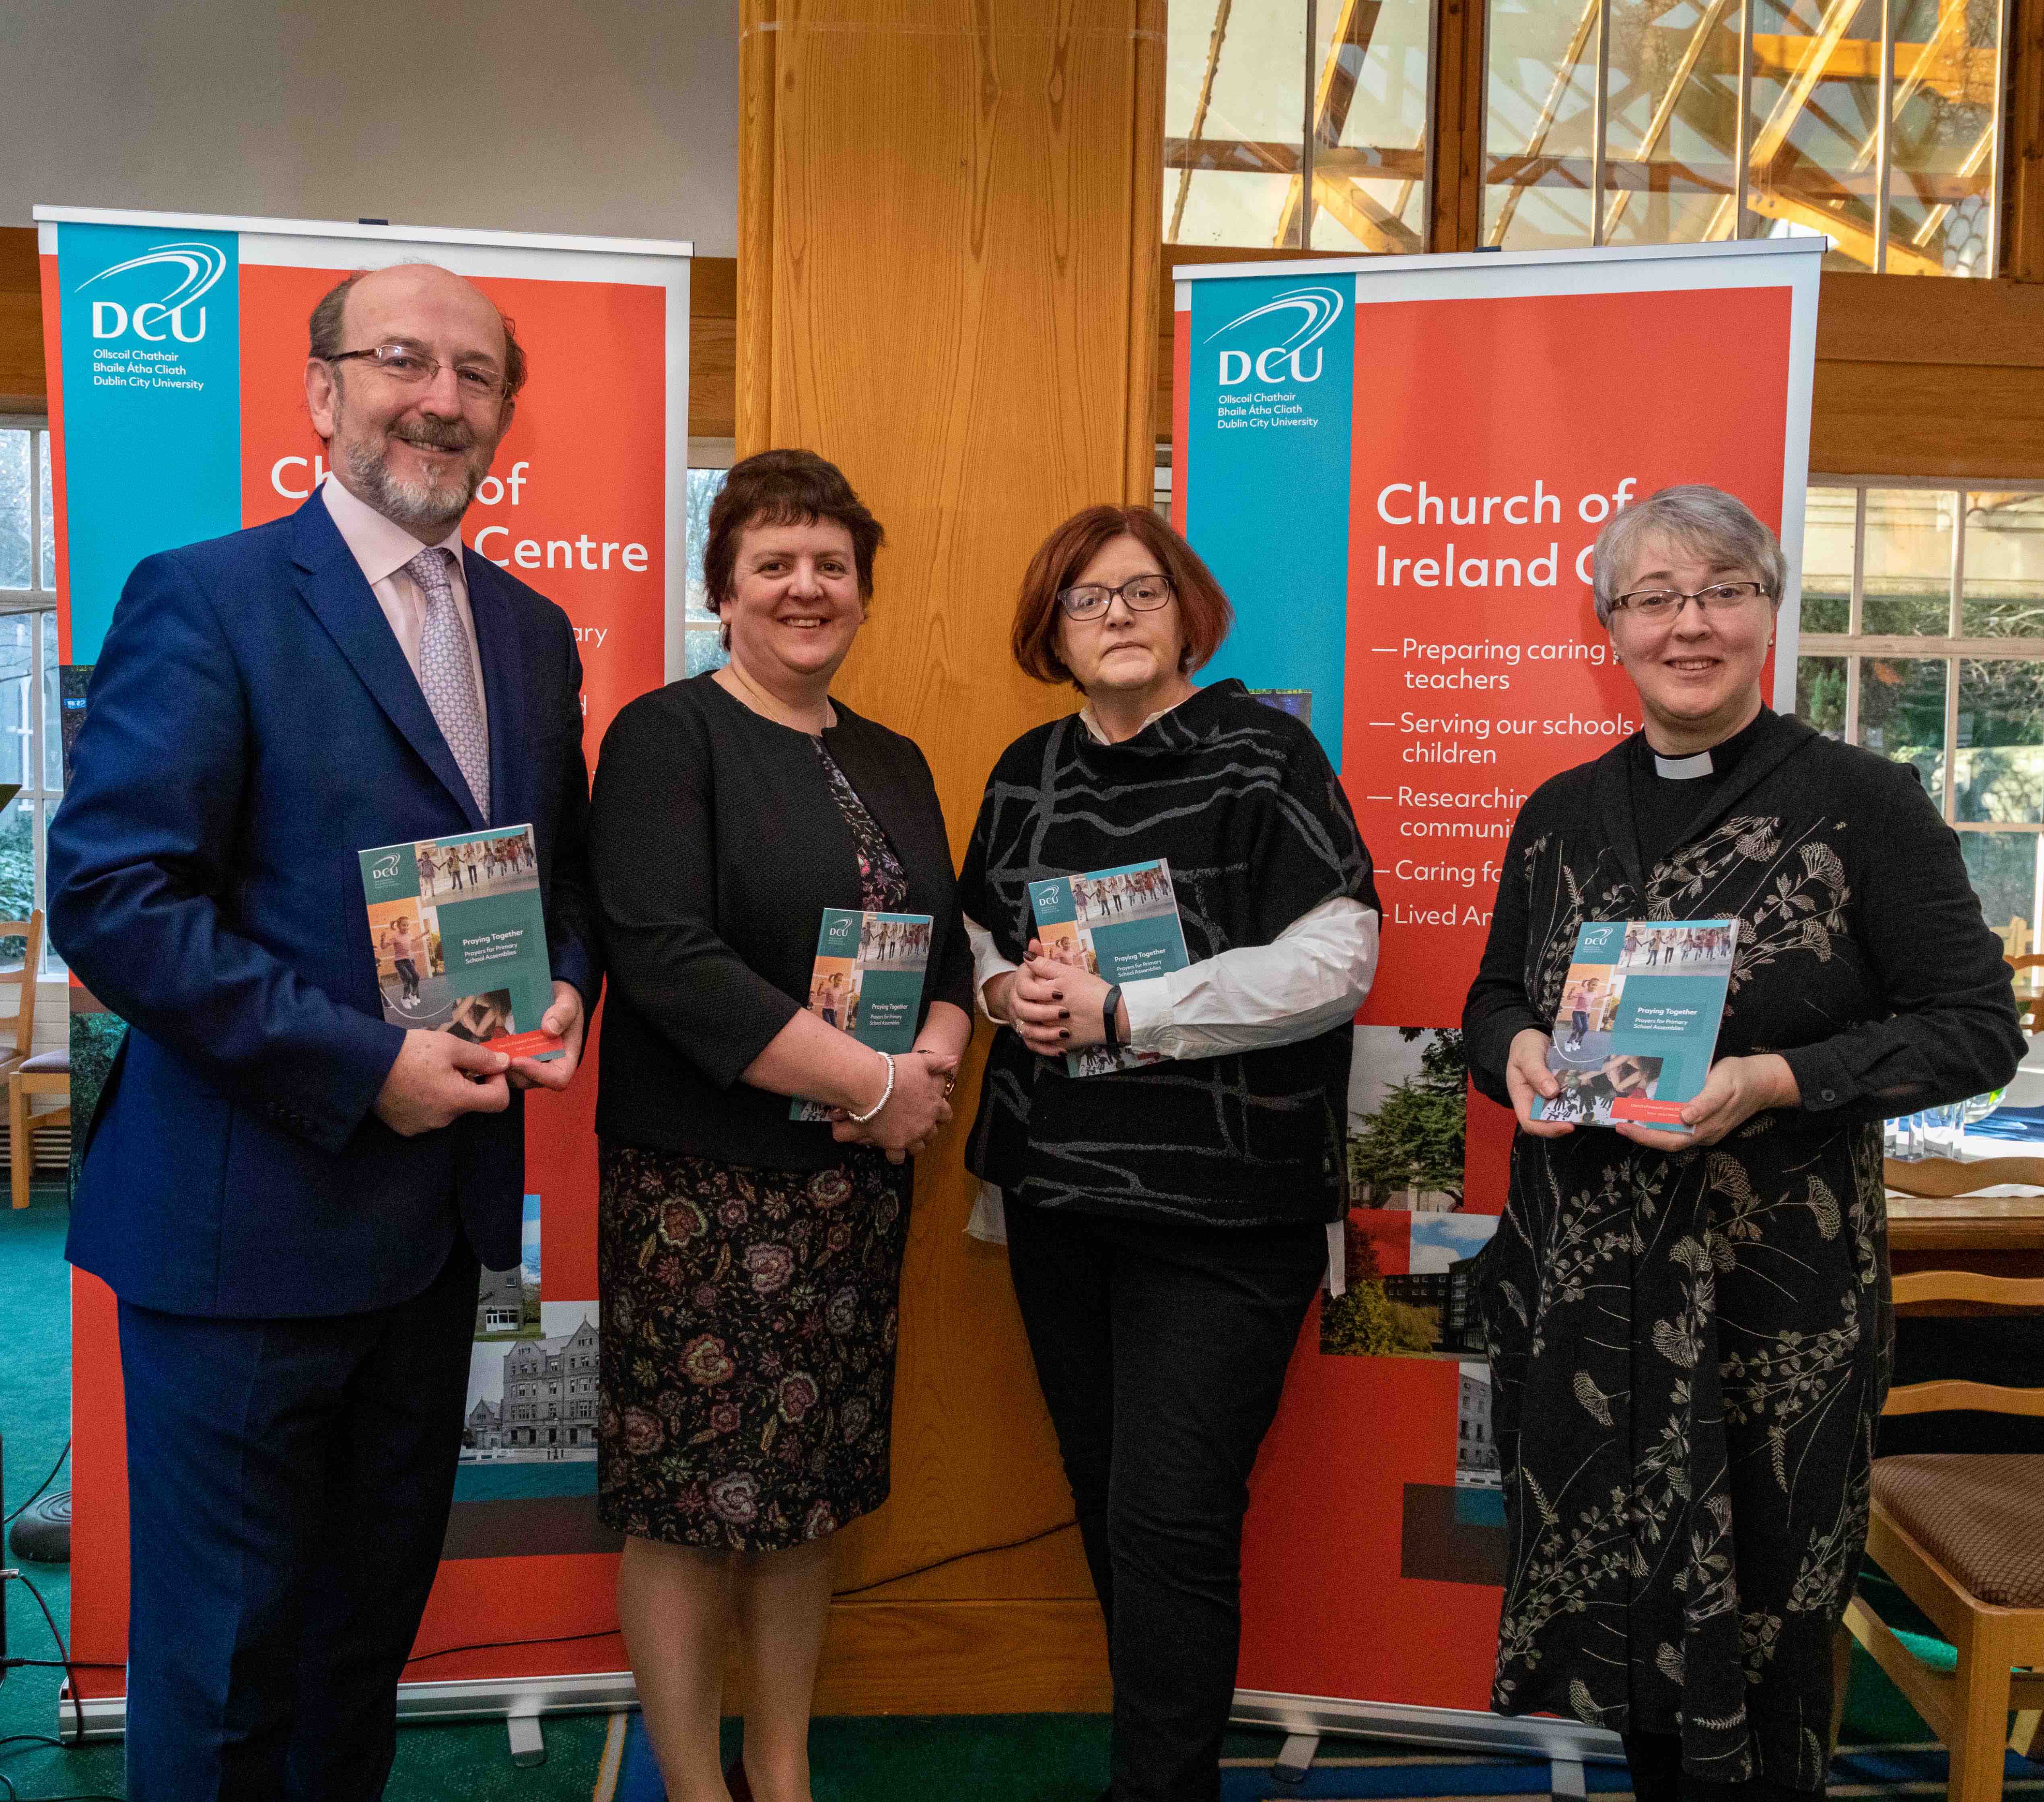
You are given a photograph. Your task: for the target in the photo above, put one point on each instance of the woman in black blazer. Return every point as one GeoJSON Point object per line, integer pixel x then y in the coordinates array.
{"type": "Point", "coordinates": [749, 1263]}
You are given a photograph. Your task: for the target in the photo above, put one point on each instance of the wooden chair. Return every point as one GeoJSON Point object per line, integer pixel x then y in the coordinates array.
{"type": "Point", "coordinates": [48, 1073]}
{"type": "Point", "coordinates": [2030, 994]}
{"type": "Point", "coordinates": [19, 1055]}
{"type": "Point", "coordinates": [1945, 1177]}
{"type": "Point", "coordinates": [1962, 1534]}
{"type": "Point", "coordinates": [2016, 935]}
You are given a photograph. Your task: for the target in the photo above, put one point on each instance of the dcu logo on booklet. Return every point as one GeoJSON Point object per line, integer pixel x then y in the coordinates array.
{"type": "Point", "coordinates": [168, 314]}
{"type": "Point", "coordinates": [1049, 895]}
{"type": "Point", "coordinates": [1316, 310]}
{"type": "Point", "coordinates": [385, 869]}
{"type": "Point", "coordinates": [839, 932]}
{"type": "Point", "coordinates": [1596, 938]}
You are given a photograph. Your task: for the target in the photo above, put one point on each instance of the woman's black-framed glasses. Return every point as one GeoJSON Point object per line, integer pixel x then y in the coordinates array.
{"type": "Point", "coordinates": [415, 368]}
{"type": "Point", "coordinates": [1666, 603]}
{"type": "Point", "coordinates": [1144, 594]}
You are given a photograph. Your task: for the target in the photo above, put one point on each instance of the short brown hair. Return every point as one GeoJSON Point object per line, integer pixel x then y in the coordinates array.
{"type": "Point", "coordinates": [324, 334]}
{"type": "Point", "coordinates": [784, 488]}
{"type": "Point", "coordinates": [1202, 607]}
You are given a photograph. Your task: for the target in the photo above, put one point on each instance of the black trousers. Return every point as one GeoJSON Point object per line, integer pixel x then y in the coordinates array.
{"type": "Point", "coordinates": [1655, 1760]}
{"type": "Point", "coordinates": [1162, 1352]}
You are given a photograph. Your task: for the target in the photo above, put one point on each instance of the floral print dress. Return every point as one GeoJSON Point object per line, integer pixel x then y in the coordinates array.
{"type": "Point", "coordinates": [1689, 1351]}
{"type": "Point", "coordinates": [749, 1319]}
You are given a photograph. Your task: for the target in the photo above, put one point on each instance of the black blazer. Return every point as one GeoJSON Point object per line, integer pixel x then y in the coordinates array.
{"type": "Point", "coordinates": [715, 846]}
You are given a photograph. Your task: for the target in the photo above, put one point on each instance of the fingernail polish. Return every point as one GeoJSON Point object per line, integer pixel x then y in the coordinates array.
{"type": "Point", "coordinates": [1064, 1013]}
{"type": "Point", "coordinates": [1063, 1033]}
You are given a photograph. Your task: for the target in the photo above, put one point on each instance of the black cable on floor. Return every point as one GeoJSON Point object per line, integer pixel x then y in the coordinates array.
{"type": "Point", "coordinates": [64, 1654]}
{"type": "Point", "coordinates": [41, 1486]}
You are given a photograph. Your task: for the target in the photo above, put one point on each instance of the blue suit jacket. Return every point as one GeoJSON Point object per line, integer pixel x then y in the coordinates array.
{"type": "Point", "coordinates": [252, 725]}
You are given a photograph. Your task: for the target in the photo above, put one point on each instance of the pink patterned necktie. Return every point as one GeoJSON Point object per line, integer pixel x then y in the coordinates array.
{"type": "Point", "coordinates": [446, 673]}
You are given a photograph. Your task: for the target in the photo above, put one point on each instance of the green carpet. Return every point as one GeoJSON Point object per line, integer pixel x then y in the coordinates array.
{"type": "Point", "coordinates": [990, 1758]}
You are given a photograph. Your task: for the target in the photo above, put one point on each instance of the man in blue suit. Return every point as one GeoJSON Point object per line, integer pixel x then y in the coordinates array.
{"type": "Point", "coordinates": [290, 1196]}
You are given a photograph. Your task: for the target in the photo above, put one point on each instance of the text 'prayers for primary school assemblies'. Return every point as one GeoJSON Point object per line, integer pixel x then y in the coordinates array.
{"type": "Point", "coordinates": [1538, 566]}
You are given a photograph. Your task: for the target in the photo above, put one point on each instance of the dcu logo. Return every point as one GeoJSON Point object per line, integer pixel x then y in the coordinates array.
{"type": "Point", "coordinates": [1596, 937]}
{"type": "Point", "coordinates": [1317, 309]}
{"type": "Point", "coordinates": [385, 869]}
{"type": "Point", "coordinates": [1049, 895]}
{"type": "Point", "coordinates": [195, 267]}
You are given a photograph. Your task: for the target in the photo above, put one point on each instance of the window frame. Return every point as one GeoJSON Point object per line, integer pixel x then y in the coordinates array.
{"type": "Point", "coordinates": [1951, 647]}
{"type": "Point", "coordinates": [36, 601]}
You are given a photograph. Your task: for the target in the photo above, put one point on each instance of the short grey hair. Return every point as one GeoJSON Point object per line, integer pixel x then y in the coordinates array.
{"type": "Point", "coordinates": [1718, 527]}
{"type": "Point", "coordinates": [323, 335]}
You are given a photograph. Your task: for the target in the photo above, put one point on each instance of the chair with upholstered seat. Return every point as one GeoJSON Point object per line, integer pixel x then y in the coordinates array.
{"type": "Point", "coordinates": [1962, 1534]}
{"type": "Point", "coordinates": [47, 1073]}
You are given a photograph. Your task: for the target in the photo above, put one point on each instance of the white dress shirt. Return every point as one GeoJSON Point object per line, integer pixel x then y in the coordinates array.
{"type": "Point", "coordinates": [1310, 979]}
{"type": "Point", "coordinates": [382, 550]}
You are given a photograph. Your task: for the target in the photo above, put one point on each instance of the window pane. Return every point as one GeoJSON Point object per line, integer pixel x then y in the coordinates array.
{"type": "Point", "coordinates": [1234, 102]}
{"type": "Point", "coordinates": [704, 485]}
{"type": "Point", "coordinates": [17, 873]}
{"type": "Point", "coordinates": [1908, 561]}
{"type": "Point", "coordinates": [17, 647]}
{"type": "Point", "coordinates": [1902, 714]}
{"type": "Point", "coordinates": [1537, 148]}
{"type": "Point", "coordinates": [2003, 869]}
{"type": "Point", "coordinates": [1370, 152]}
{"type": "Point", "coordinates": [1816, 111]}
{"type": "Point", "coordinates": [1998, 766]}
{"type": "Point", "coordinates": [1671, 121]}
{"type": "Point", "coordinates": [52, 707]}
{"type": "Point", "coordinates": [2004, 595]}
{"type": "Point", "coordinates": [1941, 147]}
{"type": "Point", "coordinates": [1820, 693]}
{"type": "Point", "coordinates": [702, 650]}
{"type": "Point", "coordinates": [1827, 560]}
{"type": "Point", "coordinates": [14, 501]}
{"type": "Point", "coordinates": [49, 533]}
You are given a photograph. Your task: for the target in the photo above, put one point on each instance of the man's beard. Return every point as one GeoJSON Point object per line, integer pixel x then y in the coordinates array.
{"type": "Point", "coordinates": [426, 508]}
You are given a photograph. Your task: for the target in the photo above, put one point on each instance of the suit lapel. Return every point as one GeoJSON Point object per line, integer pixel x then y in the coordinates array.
{"type": "Point", "coordinates": [331, 584]}
{"type": "Point", "coordinates": [503, 686]}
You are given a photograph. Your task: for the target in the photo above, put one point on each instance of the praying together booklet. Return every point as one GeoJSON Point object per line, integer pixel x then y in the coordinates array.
{"type": "Point", "coordinates": [1638, 1020]}
{"type": "Point", "coordinates": [868, 981]}
{"type": "Point", "coordinates": [460, 940]}
{"type": "Point", "coordinates": [1120, 924]}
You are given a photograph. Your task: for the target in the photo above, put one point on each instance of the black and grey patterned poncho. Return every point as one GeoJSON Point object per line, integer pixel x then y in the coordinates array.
{"type": "Point", "coordinates": [1689, 1351]}
{"type": "Point", "coordinates": [1241, 801]}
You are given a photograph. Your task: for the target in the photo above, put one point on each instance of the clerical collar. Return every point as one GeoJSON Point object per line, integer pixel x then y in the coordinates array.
{"type": "Point", "coordinates": [1682, 769]}
{"type": "Point", "coordinates": [1720, 760]}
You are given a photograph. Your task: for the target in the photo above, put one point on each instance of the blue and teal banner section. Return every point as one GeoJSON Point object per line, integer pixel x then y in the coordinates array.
{"type": "Point", "coordinates": [1265, 466]}
{"type": "Point", "coordinates": [151, 368]}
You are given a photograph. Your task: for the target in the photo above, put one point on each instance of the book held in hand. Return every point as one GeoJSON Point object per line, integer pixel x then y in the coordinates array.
{"type": "Point", "coordinates": [1638, 1023]}
{"type": "Point", "coordinates": [460, 940]}
{"type": "Point", "coordinates": [1121, 925]}
{"type": "Point", "coordinates": [868, 981]}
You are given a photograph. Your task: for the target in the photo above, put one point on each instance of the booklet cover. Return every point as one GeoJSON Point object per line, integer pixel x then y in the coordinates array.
{"type": "Point", "coordinates": [868, 981]}
{"type": "Point", "coordinates": [460, 940]}
{"type": "Point", "coordinates": [1638, 1021]}
{"type": "Point", "coordinates": [1120, 923]}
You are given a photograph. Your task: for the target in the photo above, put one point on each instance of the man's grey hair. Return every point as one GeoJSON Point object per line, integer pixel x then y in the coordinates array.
{"type": "Point", "coordinates": [324, 337]}
{"type": "Point", "coordinates": [1715, 526]}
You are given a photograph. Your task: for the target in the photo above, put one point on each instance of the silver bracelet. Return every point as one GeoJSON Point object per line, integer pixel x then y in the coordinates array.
{"type": "Point", "coordinates": [886, 1095]}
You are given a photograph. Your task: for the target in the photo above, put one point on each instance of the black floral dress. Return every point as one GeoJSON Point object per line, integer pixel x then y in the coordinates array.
{"type": "Point", "coordinates": [748, 1325]}
{"type": "Point", "coordinates": [1689, 1351]}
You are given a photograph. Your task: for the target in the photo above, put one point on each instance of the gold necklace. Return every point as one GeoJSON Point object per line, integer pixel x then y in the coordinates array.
{"type": "Point", "coordinates": [773, 709]}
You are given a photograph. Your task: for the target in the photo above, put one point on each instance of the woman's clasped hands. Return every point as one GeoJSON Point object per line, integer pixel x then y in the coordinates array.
{"type": "Point", "coordinates": [917, 1106]}
{"type": "Point", "coordinates": [1053, 1006]}
{"type": "Point", "coordinates": [1735, 1091]}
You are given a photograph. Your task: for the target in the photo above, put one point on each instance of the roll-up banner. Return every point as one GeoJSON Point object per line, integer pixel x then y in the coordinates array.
{"type": "Point", "coordinates": [1397, 467]}
{"type": "Point", "coordinates": [175, 346]}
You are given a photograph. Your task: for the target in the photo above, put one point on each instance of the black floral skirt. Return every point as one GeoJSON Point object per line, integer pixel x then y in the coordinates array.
{"type": "Point", "coordinates": [748, 1328]}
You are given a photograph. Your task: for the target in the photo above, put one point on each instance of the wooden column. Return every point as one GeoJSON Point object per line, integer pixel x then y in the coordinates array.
{"type": "Point", "coordinates": [948, 227]}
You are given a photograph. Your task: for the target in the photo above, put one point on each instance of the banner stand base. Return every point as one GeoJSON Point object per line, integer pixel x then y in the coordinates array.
{"type": "Point", "coordinates": [512, 1699]}
{"type": "Point", "coordinates": [1544, 1736]}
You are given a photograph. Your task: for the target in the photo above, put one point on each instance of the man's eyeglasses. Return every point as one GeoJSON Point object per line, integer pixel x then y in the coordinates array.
{"type": "Point", "coordinates": [1144, 594]}
{"type": "Point", "coordinates": [415, 368]}
{"type": "Point", "coordinates": [1658, 604]}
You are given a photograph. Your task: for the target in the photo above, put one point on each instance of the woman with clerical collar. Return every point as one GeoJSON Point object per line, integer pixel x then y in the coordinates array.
{"type": "Point", "coordinates": [1689, 1333]}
